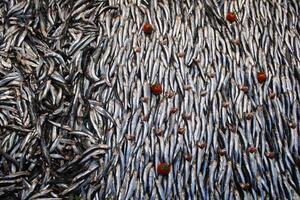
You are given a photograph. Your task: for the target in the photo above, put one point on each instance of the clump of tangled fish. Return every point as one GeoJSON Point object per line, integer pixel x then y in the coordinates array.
{"type": "Point", "coordinates": [78, 119]}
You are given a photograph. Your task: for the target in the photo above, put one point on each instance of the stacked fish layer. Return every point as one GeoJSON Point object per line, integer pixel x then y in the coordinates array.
{"type": "Point", "coordinates": [78, 117]}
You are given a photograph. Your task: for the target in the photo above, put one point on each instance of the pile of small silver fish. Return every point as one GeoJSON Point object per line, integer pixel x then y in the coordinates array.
{"type": "Point", "coordinates": [78, 119]}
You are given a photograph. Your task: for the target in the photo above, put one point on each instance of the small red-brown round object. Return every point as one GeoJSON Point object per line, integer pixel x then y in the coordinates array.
{"type": "Point", "coordinates": [159, 132]}
{"type": "Point", "coordinates": [245, 186]}
{"type": "Point", "coordinates": [181, 130]}
{"type": "Point", "coordinates": [270, 155]}
{"type": "Point", "coordinates": [261, 77]}
{"type": "Point", "coordinates": [148, 28]}
{"type": "Point", "coordinates": [292, 125]}
{"type": "Point", "coordinates": [129, 137]}
{"type": "Point", "coordinates": [232, 128]}
{"type": "Point", "coordinates": [251, 150]}
{"type": "Point", "coordinates": [156, 89]}
{"type": "Point", "coordinates": [181, 54]}
{"type": "Point", "coordinates": [187, 116]}
{"type": "Point", "coordinates": [188, 157]}
{"type": "Point", "coordinates": [272, 95]}
{"type": "Point", "coordinates": [145, 118]}
{"type": "Point", "coordinates": [202, 145]}
{"type": "Point", "coordinates": [222, 152]}
{"type": "Point", "coordinates": [163, 169]}
{"type": "Point", "coordinates": [244, 88]}
{"type": "Point", "coordinates": [249, 116]}
{"type": "Point", "coordinates": [138, 49]}
{"type": "Point", "coordinates": [231, 17]}
{"type": "Point", "coordinates": [173, 110]}
{"type": "Point", "coordinates": [236, 42]}
{"type": "Point", "coordinates": [145, 99]}
{"type": "Point", "coordinates": [226, 104]}
{"type": "Point", "coordinates": [170, 94]}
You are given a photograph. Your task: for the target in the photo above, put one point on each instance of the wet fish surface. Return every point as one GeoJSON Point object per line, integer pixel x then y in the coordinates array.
{"type": "Point", "coordinates": [79, 120]}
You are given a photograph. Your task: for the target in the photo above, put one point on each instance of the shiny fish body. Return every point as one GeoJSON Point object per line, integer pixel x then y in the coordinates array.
{"type": "Point", "coordinates": [78, 119]}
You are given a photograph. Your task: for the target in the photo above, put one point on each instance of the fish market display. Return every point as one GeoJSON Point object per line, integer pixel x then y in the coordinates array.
{"type": "Point", "coordinates": [162, 99]}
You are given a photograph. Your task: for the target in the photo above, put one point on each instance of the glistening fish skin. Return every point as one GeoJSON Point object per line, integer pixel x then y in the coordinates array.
{"type": "Point", "coordinates": [78, 119]}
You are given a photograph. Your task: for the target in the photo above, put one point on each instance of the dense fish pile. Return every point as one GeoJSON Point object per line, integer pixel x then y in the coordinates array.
{"type": "Point", "coordinates": [78, 117]}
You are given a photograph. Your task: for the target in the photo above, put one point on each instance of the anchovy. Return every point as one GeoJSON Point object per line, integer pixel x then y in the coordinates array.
{"type": "Point", "coordinates": [80, 118]}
